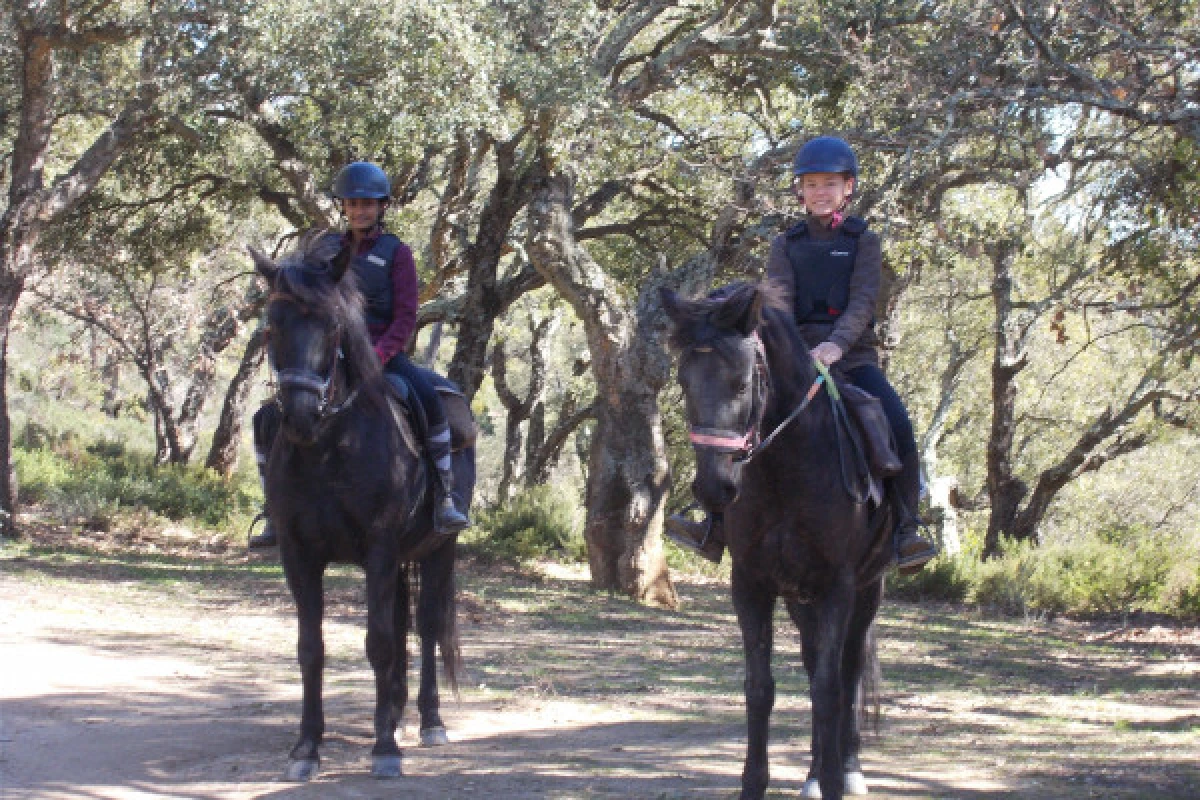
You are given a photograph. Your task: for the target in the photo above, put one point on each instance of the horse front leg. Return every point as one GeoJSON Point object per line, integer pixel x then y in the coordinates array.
{"type": "Point", "coordinates": [401, 622]}
{"type": "Point", "coordinates": [382, 575]}
{"type": "Point", "coordinates": [755, 605]}
{"type": "Point", "coordinates": [306, 584]}
{"type": "Point", "coordinates": [833, 613]}
{"type": "Point", "coordinates": [435, 616]}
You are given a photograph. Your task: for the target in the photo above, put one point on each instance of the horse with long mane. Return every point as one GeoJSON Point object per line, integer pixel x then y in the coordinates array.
{"type": "Point", "coordinates": [772, 458]}
{"type": "Point", "coordinates": [345, 482]}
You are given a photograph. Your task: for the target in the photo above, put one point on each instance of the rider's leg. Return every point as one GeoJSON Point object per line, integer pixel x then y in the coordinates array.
{"type": "Point", "coordinates": [706, 537]}
{"type": "Point", "coordinates": [447, 519]}
{"type": "Point", "coordinates": [265, 424]}
{"type": "Point", "coordinates": [912, 550]}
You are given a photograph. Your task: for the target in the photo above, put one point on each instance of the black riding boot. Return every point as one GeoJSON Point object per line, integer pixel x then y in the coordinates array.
{"type": "Point", "coordinates": [447, 519]}
{"type": "Point", "coordinates": [913, 551]}
{"type": "Point", "coordinates": [266, 537]}
{"type": "Point", "coordinates": [706, 537]}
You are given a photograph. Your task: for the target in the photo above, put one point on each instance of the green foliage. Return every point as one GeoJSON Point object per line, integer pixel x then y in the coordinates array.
{"type": "Point", "coordinates": [945, 578]}
{"type": "Point", "coordinates": [1114, 571]}
{"type": "Point", "coordinates": [540, 522]}
{"type": "Point", "coordinates": [90, 483]}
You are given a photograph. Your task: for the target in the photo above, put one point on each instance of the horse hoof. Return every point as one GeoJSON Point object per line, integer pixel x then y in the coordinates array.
{"type": "Point", "coordinates": [856, 784]}
{"type": "Point", "coordinates": [301, 770]}
{"type": "Point", "coordinates": [811, 790]}
{"type": "Point", "coordinates": [434, 737]}
{"type": "Point", "coordinates": [385, 766]}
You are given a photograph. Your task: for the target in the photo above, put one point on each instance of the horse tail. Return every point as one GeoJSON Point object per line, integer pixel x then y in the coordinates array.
{"type": "Point", "coordinates": [870, 684]}
{"type": "Point", "coordinates": [449, 643]}
{"type": "Point", "coordinates": [441, 607]}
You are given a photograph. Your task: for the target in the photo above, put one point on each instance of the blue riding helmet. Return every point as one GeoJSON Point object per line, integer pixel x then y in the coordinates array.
{"type": "Point", "coordinates": [362, 179]}
{"type": "Point", "coordinates": [826, 154]}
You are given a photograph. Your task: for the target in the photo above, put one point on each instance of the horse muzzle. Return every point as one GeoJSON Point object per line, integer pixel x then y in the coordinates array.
{"type": "Point", "coordinates": [300, 419]}
{"type": "Point", "coordinates": [715, 486]}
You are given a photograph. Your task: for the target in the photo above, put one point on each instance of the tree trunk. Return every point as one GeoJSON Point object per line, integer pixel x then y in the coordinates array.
{"type": "Point", "coordinates": [543, 450]}
{"type": "Point", "coordinates": [1005, 489]}
{"type": "Point", "coordinates": [10, 293]}
{"type": "Point", "coordinates": [223, 454]}
{"type": "Point", "coordinates": [628, 474]}
{"type": "Point", "coordinates": [486, 298]}
{"type": "Point", "coordinates": [111, 374]}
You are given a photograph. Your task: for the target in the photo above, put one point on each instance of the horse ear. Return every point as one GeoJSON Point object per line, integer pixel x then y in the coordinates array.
{"type": "Point", "coordinates": [341, 261]}
{"type": "Point", "coordinates": [742, 312]}
{"type": "Point", "coordinates": [670, 302]}
{"type": "Point", "coordinates": [263, 264]}
{"type": "Point", "coordinates": [753, 317]}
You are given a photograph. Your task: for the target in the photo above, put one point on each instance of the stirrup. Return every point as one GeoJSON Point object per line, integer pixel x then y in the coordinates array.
{"type": "Point", "coordinates": [707, 546]}
{"type": "Point", "coordinates": [446, 523]}
{"type": "Point", "coordinates": [267, 537]}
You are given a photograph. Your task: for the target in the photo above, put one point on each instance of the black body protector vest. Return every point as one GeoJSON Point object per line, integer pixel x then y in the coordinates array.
{"type": "Point", "coordinates": [373, 270]}
{"type": "Point", "coordinates": [821, 270]}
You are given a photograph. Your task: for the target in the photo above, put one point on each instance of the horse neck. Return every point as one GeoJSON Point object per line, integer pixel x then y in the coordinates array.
{"type": "Point", "coordinates": [791, 368]}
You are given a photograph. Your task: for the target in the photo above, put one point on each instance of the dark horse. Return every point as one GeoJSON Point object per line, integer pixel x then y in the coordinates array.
{"type": "Point", "coordinates": [795, 519]}
{"type": "Point", "coordinates": [345, 483]}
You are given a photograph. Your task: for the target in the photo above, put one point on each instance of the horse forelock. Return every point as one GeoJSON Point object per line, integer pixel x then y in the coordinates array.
{"type": "Point", "coordinates": [705, 323]}
{"type": "Point", "coordinates": [305, 278]}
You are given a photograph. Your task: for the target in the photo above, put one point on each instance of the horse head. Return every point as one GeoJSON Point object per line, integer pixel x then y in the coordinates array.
{"type": "Point", "coordinates": [314, 326]}
{"type": "Point", "coordinates": [722, 373]}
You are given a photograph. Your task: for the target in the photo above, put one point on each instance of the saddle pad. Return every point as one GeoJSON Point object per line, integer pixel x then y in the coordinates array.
{"type": "Point", "coordinates": [463, 428]}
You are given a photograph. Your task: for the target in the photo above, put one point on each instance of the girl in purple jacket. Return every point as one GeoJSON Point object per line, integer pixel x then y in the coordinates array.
{"type": "Point", "coordinates": [387, 276]}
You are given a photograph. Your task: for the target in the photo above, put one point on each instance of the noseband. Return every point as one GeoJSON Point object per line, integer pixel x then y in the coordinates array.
{"type": "Point", "coordinates": [745, 446]}
{"type": "Point", "coordinates": [741, 445]}
{"type": "Point", "coordinates": [306, 380]}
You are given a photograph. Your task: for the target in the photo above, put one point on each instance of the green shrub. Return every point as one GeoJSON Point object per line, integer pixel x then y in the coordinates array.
{"type": "Point", "coordinates": [1180, 594]}
{"type": "Point", "coordinates": [90, 484]}
{"type": "Point", "coordinates": [1003, 583]}
{"type": "Point", "coordinates": [946, 578]}
{"type": "Point", "coordinates": [1102, 573]}
{"type": "Point", "coordinates": [540, 522]}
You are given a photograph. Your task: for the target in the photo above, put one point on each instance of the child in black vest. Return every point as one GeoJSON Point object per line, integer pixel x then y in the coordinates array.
{"type": "Point", "coordinates": [829, 267]}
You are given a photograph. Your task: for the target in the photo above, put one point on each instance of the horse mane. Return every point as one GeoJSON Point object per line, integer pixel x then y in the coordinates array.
{"type": "Point", "coordinates": [708, 321]}
{"type": "Point", "coordinates": [306, 277]}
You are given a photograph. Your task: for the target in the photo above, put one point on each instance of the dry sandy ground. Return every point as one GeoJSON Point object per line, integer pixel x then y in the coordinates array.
{"type": "Point", "coordinates": [155, 682]}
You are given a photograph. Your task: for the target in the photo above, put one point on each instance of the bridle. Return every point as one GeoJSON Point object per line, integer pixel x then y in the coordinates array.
{"type": "Point", "coordinates": [746, 445]}
{"type": "Point", "coordinates": [306, 380]}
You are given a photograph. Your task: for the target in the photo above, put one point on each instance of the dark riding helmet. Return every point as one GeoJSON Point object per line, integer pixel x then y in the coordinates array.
{"type": "Point", "coordinates": [826, 154]}
{"type": "Point", "coordinates": [362, 179]}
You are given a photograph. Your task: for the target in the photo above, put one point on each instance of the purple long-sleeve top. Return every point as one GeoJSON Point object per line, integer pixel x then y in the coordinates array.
{"type": "Point", "coordinates": [393, 338]}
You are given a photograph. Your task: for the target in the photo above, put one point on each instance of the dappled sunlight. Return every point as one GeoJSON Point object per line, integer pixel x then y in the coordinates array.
{"type": "Point", "coordinates": [189, 688]}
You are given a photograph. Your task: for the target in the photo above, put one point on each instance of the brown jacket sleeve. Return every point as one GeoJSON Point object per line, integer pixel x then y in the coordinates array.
{"type": "Point", "coordinates": [779, 271]}
{"type": "Point", "coordinates": [852, 323]}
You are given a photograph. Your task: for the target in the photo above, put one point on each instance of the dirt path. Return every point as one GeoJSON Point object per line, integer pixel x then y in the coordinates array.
{"type": "Point", "coordinates": [138, 675]}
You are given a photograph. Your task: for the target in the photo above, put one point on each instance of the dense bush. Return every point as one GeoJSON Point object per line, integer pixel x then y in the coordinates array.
{"type": "Point", "coordinates": [90, 483]}
{"type": "Point", "coordinates": [1101, 573]}
{"type": "Point", "coordinates": [944, 578]}
{"type": "Point", "coordinates": [1112, 571]}
{"type": "Point", "coordinates": [539, 522]}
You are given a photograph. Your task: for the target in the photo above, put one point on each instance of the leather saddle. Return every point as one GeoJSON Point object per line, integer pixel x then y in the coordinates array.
{"type": "Point", "coordinates": [463, 429]}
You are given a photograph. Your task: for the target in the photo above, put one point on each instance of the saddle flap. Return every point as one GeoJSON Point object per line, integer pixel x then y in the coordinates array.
{"type": "Point", "coordinates": [867, 412]}
{"type": "Point", "coordinates": [463, 429]}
